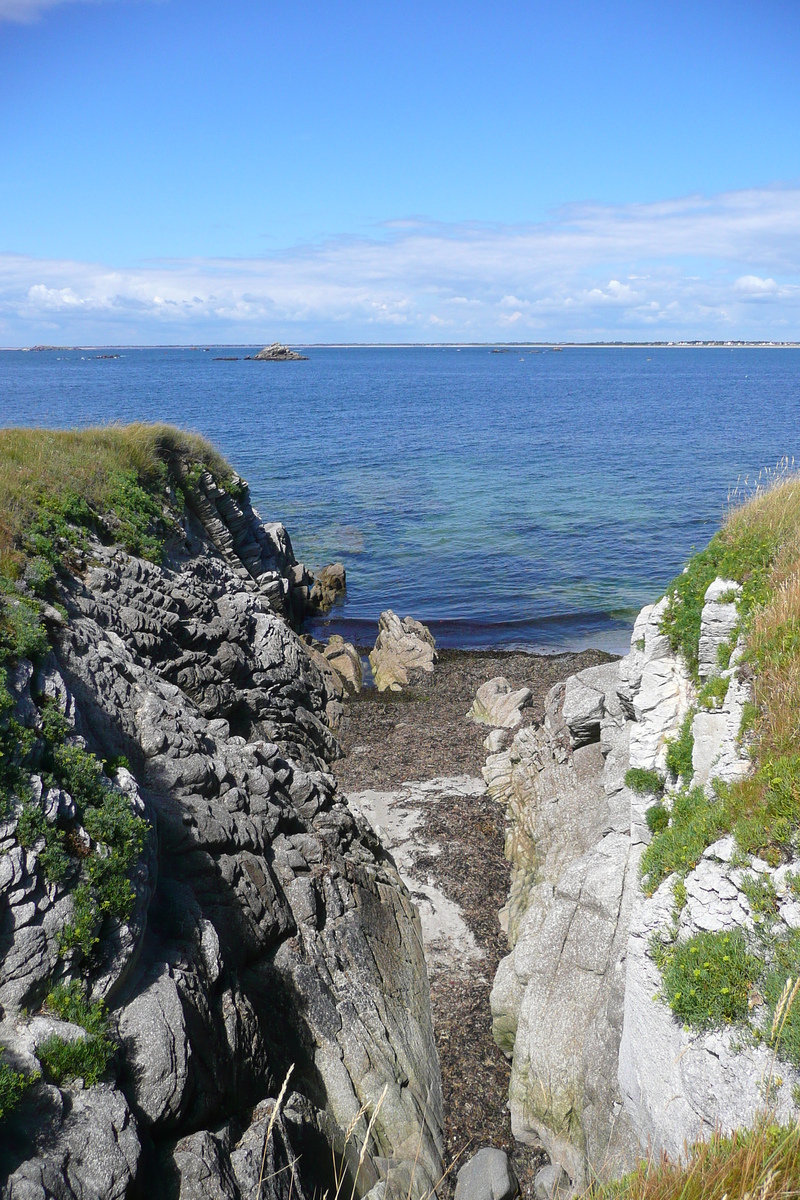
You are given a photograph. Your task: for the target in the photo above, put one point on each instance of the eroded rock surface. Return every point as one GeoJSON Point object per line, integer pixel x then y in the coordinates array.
{"type": "Point", "coordinates": [401, 649]}
{"type": "Point", "coordinates": [601, 1069]}
{"type": "Point", "coordinates": [270, 928]}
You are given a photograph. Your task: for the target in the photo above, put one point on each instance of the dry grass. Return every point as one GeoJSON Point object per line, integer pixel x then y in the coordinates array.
{"type": "Point", "coordinates": [43, 466]}
{"type": "Point", "coordinates": [756, 1164]}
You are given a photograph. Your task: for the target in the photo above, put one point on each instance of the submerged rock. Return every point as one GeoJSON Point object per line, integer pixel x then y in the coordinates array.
{"type": "Point", "coordinates": [401, 649]}
{"type": "Point", "coordinates": [330, 583]}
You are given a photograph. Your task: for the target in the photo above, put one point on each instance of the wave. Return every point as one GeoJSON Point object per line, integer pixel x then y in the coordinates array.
{"type": "Point", "coordinates": [549, 634]}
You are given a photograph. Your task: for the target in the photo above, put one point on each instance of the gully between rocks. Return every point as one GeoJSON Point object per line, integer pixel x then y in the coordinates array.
{"type": "Point", "coordinates": [447, 837]}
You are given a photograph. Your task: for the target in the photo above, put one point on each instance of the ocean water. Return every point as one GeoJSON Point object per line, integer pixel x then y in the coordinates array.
{"type": "Point", "coordinates": [521, 499]}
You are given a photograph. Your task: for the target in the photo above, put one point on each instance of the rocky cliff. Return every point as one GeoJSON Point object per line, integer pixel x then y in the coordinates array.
{"type": "Point", "coordinates": [646, 944]}
{"type": "Point", "coordinates": [190, 914]}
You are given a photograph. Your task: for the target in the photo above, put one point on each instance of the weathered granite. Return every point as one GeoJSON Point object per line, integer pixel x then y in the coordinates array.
{"type": "Point", "coordinates": [270, 927]}
{"type": "Point", "coordinates": [401, 649]}
{"type": "Point", "coordinates": [497, 704]}
{"type": "Point", "coordinates": [601, 1070]}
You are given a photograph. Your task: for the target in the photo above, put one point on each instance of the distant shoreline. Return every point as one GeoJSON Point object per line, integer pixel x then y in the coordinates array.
{"type": "Point", "coordinates": [692, 345]}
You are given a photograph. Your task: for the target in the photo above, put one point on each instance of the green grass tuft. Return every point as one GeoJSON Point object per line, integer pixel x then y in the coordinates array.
{"type": "Point", "coordinates": [644, 782]}
{"type": "Point", "coordinates": [679, 751]}
{"type": "Point", "coordinates": [707, 979]}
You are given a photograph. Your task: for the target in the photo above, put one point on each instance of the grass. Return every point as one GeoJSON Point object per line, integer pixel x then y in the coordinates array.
{"type": "Point", "coordinates": [120, 481]}
{"type": "Point", "coordinates": [762, 1163]}
{"type": "Point", "coordinates": [644, 782]}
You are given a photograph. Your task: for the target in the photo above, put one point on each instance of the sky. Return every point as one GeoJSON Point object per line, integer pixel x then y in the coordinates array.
{"type": "Point", "coordinates": [240, 172]}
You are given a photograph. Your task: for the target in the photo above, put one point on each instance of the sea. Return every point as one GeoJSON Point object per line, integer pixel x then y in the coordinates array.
{"type": "Point", "coordinates": [527, 499]}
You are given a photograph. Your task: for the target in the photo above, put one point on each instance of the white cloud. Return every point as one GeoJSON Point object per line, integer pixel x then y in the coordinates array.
{"type": "Point", "coordinates": [693, 267]}
{"type": "Point", "coordinates": [25, 12]}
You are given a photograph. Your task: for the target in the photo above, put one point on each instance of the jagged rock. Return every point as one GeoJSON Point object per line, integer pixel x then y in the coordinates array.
{"type": "Point", "coordinates": [268, 925]}
{"type": "Point", "coordinates": [330, 583]}
{"type": "Point", "coordinates": [153, 1029]}
{"type": "Point", "coordinates": [70, 1143]}
{"type": "Point", "coordinates": [488, 1175]}
{"type": "Point", "coordinates": [718, 622]}
{"type": "Point", "coordinates": [277, 352]}
{"type": "Point", "coordinates": [346, 662]}
{"type": "Point", "coordinates": [401, 649]}
{"type": "Point", "coordinates": [204, 1169]}
{"type": "Point", "coordinates": [577, 1004]}
{"type": "Point", "coordinates": [552, 1183]}
{"type": "Point", "coordinates": [496, 703]}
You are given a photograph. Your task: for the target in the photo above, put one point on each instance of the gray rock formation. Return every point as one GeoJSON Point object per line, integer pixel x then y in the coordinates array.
{"type": "Point", "coordinates": [269, 928]}
{"type": "Point", "coordinates": [401, 649]}
{"type": "Point", "coordinates": [277, 352]}
{"type": "Point", "coordinates": [497, 704]}
{"type": "Point", "coordinates": [487, 1176]}
{"type": "Point", "coordinates": [601, 1069]}
{"type": "Point", "coordinates": [330, 583]}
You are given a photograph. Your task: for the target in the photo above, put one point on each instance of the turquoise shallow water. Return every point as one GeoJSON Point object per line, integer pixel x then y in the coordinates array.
{"type": "Point", "coordinates": [518, 499]}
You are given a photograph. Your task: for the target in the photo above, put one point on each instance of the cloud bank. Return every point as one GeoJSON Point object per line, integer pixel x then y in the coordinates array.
{"type": "Point", "coordinates": [24, 12]}
{"type": "Point", "coordinates": [726, 266]}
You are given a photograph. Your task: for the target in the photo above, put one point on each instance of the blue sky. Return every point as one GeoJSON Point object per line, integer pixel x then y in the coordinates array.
{"type": "Point", "coordinates": [398, 171]}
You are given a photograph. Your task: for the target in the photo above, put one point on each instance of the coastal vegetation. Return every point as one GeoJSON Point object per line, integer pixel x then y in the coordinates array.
{"type": "Point", "coordinates": [123, 484]}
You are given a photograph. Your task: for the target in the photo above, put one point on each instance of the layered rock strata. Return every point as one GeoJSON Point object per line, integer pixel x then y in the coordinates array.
{"type": "Point", "coordinates": [601, 1069]}
{"type": "Point", "coordinates": [402, 648]}
{"type": "Point", "coordinates": [270, 929]}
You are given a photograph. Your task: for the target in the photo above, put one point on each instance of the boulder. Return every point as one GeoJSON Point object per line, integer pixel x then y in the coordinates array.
{"type": "Point", "coordinates": [277, 352]}
{"type": "Point", "coordinates": [330, 583]}
{"type": "Point", "coordinates": [497, 704]}
{"type": "Point", "coordinates": [401, 649]}
{"type": "Point", "coordinates": [551, 1183]}
{"type": "Point", "coordinates": [346, 662]}
{"type": "Point", "coordinates": [487, 1176]}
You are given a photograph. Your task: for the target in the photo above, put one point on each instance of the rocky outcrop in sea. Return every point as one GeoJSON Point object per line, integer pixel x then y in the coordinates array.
{"type": "Point", "coordinates": [267, 948]}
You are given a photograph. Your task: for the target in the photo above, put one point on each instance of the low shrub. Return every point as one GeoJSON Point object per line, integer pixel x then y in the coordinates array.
{"type": "Point", "coordinates": [657, 818]}
{"type": "Point", "coordinates": [707, 979]}
{"type": "Point", "coordinates": [86, 1058]}
{"type": "Point", "coordinates": [679, 751]}
{"type": "Point", "coordinates": [713, 692]}
{"type": "Point", "coordinates": [644, 782]}
{"type": "Point", "coordinates": [694, 823]}
{"type": "Point", "coordinates": [13, 1085]}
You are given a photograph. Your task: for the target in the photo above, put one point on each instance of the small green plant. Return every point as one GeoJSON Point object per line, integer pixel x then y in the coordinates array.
{"type": "Point", "coordinates": [644, 782]}
{"type": "Point", "coordinates": [679, 751]}
{"type": "Point", "coordinates": [712, 694]}
{"type": "Point", "coordinates": [694, 823]}
{"type": "Point", "coordinates": [679, 897]}
{"type": "Point", "coordinates": [707, 979]}
{"type": "Point", "coordinates": [762, 896]}
{"type": "Point", "coordinates": [657, 818]}
{"type": "Point", "coordinates": [86, 1058]}
{"type": "Point", "coordinates": [13, 1085]}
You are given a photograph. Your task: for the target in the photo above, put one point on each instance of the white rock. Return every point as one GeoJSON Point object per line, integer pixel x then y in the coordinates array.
{"type": "Point", "coordinates": [496, 703]}
{"type": "Point", "coordinates": [717, 623]}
